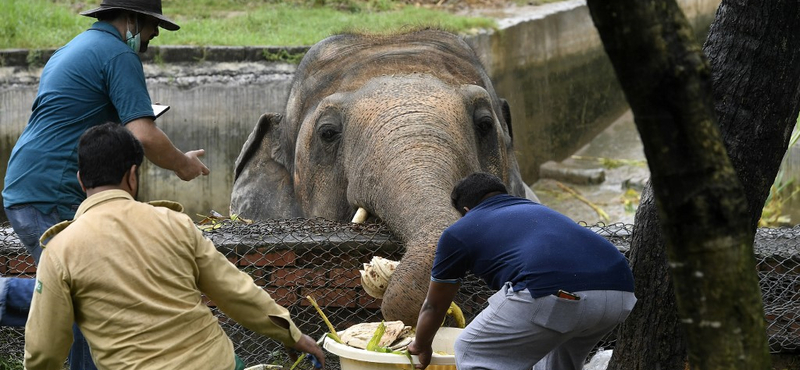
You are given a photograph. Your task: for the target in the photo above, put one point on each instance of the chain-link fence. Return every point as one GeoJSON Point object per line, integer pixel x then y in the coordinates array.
{"type": "Point", "coordinates": [296, 258]}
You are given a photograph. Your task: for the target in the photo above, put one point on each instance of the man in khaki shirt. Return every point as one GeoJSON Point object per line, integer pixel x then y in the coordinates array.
{"type": "Point", "coordinates": [131, 275]}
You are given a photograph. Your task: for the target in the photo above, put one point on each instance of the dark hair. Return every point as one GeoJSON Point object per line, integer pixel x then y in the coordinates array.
{"type": "Point", "coordinates": [469, 191]}
{"type": "Point", "coordinates": [105, 153]}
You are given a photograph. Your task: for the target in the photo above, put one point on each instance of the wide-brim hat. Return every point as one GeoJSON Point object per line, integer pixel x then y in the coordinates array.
{"type": "Point", "coordinates": [147, 7]}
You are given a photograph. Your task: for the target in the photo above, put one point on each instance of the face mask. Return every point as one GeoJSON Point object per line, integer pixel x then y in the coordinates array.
{"type": "Point", "coordinates": [134, 42]}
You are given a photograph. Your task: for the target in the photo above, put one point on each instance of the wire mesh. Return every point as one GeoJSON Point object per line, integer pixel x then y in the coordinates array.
{"type": "Point", "coordinates": [295, 258]}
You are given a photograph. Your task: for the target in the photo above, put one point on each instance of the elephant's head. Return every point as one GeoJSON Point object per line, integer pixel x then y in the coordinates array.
{"type": "Point", "coordinates": [384, 123]}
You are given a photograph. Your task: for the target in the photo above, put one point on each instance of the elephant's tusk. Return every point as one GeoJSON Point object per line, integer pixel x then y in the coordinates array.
{"type": "Point", "coordinates": [361, 216]}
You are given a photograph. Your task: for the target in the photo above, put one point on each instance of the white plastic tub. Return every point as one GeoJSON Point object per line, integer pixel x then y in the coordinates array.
{"type": "Point", "coordinates": [352, 358]}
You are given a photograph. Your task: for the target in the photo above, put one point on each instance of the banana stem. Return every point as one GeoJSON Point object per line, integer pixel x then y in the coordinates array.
{"type": "Point", "coordinates": [299, 358]}
{"type": "Point", "coordinates": [333, 333]}
{"type": "Point", "coordinates": [372, 345]}
{"type": "Point", "coordinates": [589, 203]}
{"type": "Point", "coordinates": [455, 312]}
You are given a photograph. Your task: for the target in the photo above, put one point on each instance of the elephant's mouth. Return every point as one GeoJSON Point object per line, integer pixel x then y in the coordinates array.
{"type": "Point", "coordinates": [363, 216]}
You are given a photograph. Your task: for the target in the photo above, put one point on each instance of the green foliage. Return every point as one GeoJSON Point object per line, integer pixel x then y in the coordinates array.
{"type": "Point", "coordinates": [780, 193]}
{"type": "Point", "coordinates": [372, 345]}
{"type": "Point", "coordinates": [356, 6]}
{"type": "Point", "coordinates": [35, 58]}
{"type": "Point", "coordinates": [51, 23]}
{"type": "Point", "coordinates": [29, 24]}
{"type": "Point", "coordinates": [10, 364]}
{"type": "Point", "coordinates": [535, 2]}
{"type": "Point", "coordinates": [612, 163]}
{"type": "Point", "coordinates": [630, 200]}
{"type": "Point", "coordinates": [283, 55]}
{"type": "Point", "coordinates": [285, 24]}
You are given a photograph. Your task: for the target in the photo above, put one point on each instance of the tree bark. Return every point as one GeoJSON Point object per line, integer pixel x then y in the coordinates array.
{"type": "Point", "coordinates": [706, 215]}
{"type": "Point", "coordinates": [754, 51]}
{"type": "Point", "coordinates": [650, 339]}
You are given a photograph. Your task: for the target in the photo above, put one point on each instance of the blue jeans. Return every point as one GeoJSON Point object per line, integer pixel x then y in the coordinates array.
{"type": "Point", "coordinates": [15, 300]}
{"type": "Point", "coordinates": [16, 293]}
{"type": "Point", "coordinates": [29, 224]}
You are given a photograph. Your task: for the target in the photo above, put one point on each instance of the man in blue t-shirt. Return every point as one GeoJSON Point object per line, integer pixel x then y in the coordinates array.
{"type": "Point", "coordinates": [95, 78]}
{"type": "Point", "coordinates": [561, 287]}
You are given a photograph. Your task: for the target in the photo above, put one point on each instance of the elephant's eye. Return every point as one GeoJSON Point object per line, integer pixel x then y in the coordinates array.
{"type": "Point", "coordinates": [329, 133]}
{"type": "Point", "coordinates": [484, 124]}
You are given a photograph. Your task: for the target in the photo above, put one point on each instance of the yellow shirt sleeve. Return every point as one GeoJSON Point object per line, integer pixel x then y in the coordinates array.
{"type": "Point", "coordinates": [48, 331]}
{"type": "Point", "coordinates": [235, 293]}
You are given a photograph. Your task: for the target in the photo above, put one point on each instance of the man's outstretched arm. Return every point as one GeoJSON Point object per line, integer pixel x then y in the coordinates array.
{"type": "Point", "coordinates": [158, 148]}
{"type": "Point", "coordinates": [431, 316]}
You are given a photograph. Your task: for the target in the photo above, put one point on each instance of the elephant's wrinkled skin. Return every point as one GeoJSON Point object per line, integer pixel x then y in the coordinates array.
{"type": "Point", "coordinates": [387, 123]}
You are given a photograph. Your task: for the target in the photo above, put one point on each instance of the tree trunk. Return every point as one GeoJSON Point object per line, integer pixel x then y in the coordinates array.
{"type": "Point", "coordinates": [707, 216]}
{"type": "Point", "coordinates": [754, 51]}
{"type": "Point", "coordinates": [650, 339]}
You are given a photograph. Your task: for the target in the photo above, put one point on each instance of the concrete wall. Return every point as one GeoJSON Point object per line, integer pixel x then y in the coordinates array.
{"type": "Point", "coordinates": [216, 112]}
{"type": "Point", "coordinates": [547, 61]}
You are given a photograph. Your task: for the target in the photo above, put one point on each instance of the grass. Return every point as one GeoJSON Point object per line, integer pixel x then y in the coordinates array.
{"type": "Point", "coordinates": [37, 24]}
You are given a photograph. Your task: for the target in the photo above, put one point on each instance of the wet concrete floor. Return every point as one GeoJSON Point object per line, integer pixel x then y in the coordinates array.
{"type": "Point", "coordinates": [574, 187]}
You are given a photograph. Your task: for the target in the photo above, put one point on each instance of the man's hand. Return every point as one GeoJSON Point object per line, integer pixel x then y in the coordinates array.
{"type": "Point", "coordinates": [158, 148]}
{"type": "Point", "coordinates": [431, 315]}
{"type": "Point", "coordinates": [194, 167]}
{"type": "Point", "coordinates": [307, 345]}
{"type": "Point", "coordinates": [423, 354]}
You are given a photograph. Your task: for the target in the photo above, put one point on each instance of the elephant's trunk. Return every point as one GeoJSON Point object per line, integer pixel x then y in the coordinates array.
{"type": "Point", "coordinates": [409, 283]}
{"type": "Point", "coordinates": [421, 176]}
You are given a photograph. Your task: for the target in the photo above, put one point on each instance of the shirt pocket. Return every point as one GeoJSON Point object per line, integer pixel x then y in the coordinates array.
{"type": "Point", "coordinates": [558, 314]}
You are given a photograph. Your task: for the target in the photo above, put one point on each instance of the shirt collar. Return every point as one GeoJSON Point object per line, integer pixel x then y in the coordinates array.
{"type": "Point", "coordinates": [106, 27]}
{"type": "Point", "coordinates": [102, 197]}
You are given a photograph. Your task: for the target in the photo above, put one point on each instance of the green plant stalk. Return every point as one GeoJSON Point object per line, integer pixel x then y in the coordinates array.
{"type": "Point", "coordinates": [408, 355]}
{"type": "Point", "coordinates": [372, 345]}
{"type": "Point", "coordinates": [296, 362]}
{"type": "Point", "coordinates": [333, 334]}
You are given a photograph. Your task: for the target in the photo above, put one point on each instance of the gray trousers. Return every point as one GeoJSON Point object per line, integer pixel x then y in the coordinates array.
{"type": "Point", "coordinates": [517, 331]}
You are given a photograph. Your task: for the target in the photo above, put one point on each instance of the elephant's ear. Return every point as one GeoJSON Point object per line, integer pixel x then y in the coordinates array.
{"type": "Point", "coordinates": [262, 187]}
{"type": "Point", "coordinates": [516, 185]}
{"type": "Point", "coordinates": [253, 144]}
{"type": "Point", "coordinates": [506, 115]}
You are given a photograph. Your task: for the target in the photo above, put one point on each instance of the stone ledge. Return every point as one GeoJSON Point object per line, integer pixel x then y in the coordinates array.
{"type": "Point", "coordinates": [30, 58]}
{"type": "Point", "coordinates": [566, 172]}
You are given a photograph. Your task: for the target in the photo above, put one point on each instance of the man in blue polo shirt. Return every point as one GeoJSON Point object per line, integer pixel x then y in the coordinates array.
{"type": "Point", "coordinates": [561, 287]}
{"type": "Point", "coordinates": [95, 78]}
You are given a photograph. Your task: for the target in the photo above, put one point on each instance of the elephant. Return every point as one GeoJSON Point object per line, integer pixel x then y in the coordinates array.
{"type": "Point", "coordinates": [387, 124]}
